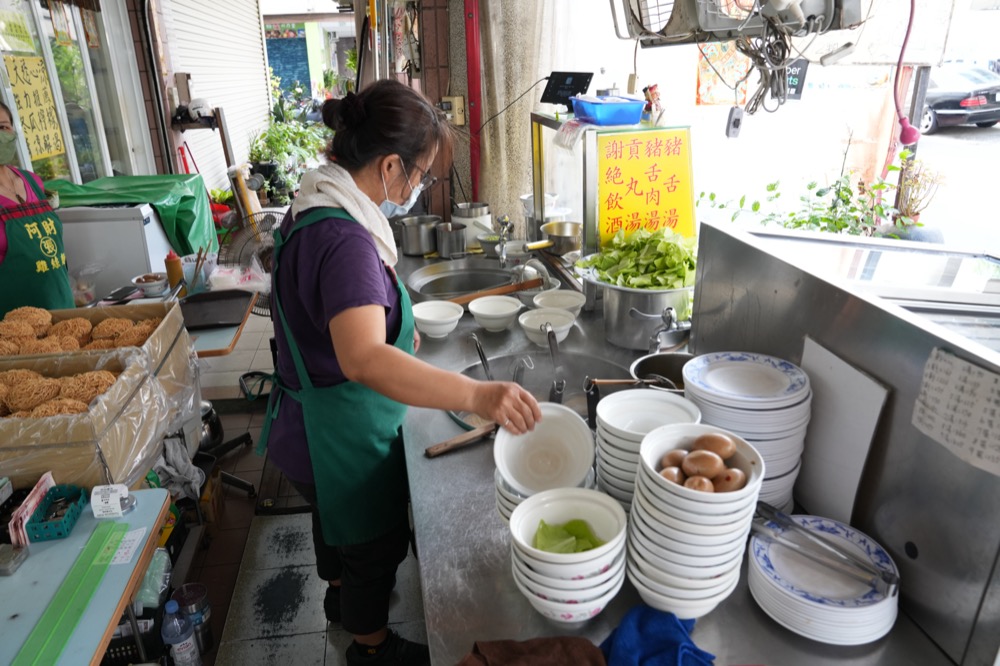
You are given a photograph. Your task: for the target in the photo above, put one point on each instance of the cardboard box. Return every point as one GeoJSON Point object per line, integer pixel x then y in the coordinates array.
{"type": "Point", "coordinates": [124, 426]}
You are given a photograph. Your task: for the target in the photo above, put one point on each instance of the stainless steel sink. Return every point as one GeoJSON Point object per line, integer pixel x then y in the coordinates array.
{"type": "Point", "coordinates": [448, 279]}
{"type": "Point", "coordinates": [534, 371]}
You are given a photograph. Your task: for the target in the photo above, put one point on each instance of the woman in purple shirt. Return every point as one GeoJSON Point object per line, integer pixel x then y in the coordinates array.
{"type": "Point", "coordinates": [346, 370]}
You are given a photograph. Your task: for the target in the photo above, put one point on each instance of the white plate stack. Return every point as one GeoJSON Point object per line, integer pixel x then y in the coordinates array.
{"type": "Point", "coordinates": [623, 419]}
{"type": "Point", "coordinates": [558, 453]}
{"type": "Point", "coordinates": [818, 602]}
{"type": "Point", "coordinates": [764, 399]}
{"type": "Point", "coordinates": [569, 587]}
{"type": "Point", "coordinates": [685, 547]}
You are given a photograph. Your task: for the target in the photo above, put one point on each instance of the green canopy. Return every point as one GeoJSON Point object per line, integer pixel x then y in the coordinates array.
{"type": "Point", "coordinates": [180, 201]}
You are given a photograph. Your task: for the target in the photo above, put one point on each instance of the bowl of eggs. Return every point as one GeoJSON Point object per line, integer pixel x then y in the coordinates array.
{"type": "Point", "coordinates": [151, 284]}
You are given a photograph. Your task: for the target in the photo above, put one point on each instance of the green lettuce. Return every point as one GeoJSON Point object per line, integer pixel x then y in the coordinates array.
{"type": "Point", "coordinates": [646, 260]}
{"type": "Point", "coordinates": [575, 536]}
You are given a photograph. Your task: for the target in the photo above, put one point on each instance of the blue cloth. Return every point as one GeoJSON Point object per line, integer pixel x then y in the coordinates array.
{"type": "Point", "coordinates": [649, 637]}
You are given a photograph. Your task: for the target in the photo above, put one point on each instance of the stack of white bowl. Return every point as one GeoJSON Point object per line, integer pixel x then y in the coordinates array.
{"type": "Point", "coordinates": [815, 601]}
{"type": "Point", "coordinates": [764, 399]}
{"type": "Point", "coordinates": [569, 587]}
{"type": "Point", "coordinates": [558, 453]}
{"type": "Point", "coordinates": [623, 419]}
{"type": "Point", "coordinates": [685, 546]}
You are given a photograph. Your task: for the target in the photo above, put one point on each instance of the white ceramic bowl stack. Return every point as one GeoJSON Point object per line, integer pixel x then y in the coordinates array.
{"type": "Point", "coordinates": [815, 601]}
{"type": "Point", "coordinates": [764, 399]}
{"type": "Point", "coordinates": [558, 453]}
{"type": "Point", "coordinates": [623, 420]}
{"type": "Point", "coordinates": [569, 587]}
{"type": "Point", "coordinates": [685, 547]}
{"type": "Point", "coordinates": [436, 319]}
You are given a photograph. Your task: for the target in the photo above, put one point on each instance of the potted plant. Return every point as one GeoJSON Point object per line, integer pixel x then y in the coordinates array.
{"type": "Point", "coordinates": [917, 186]}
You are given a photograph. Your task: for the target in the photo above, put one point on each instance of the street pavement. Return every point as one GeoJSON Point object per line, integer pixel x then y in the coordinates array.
{"type": "Point", "coordinates": [967, 205]}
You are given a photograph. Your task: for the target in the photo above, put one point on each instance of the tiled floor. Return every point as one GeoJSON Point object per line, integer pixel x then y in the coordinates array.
{"type": "Point", "coordinates": [267, 601]}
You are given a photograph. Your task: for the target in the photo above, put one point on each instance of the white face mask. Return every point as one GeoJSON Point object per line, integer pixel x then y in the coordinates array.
{"type": "Point", "coordinates": [390, 208]}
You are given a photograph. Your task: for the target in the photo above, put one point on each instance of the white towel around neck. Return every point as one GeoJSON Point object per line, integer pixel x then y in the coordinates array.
{"type": "Point", "coordinates": [331, 185]}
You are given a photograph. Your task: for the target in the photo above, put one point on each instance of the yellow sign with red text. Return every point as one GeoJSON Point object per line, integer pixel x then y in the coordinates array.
{"type": "Point", "coordinates": [644, 182]}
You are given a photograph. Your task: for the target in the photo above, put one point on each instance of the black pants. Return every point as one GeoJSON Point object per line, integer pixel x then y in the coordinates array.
{"type": "Point", "coordinates": [367, 571]}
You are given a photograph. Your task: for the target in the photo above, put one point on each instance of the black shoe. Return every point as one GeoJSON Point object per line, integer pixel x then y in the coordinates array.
{"type": "Point", "coordinates": [331, 603]}
{"type": "Point", "coordinates": [393, 650]}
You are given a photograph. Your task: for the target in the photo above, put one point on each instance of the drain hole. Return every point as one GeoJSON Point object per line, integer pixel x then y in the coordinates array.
{"type": "Point", "coordinates": [910, 549]}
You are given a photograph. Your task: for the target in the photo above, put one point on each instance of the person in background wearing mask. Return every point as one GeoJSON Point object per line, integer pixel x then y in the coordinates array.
{"type": "Point", "coordinates": [32, 260]}
{"type": "Point", "coordinates": [346, 370]}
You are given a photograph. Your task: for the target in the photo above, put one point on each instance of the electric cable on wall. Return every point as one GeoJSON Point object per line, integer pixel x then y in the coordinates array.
{"type": "Point", "coordinates": [533, 85]}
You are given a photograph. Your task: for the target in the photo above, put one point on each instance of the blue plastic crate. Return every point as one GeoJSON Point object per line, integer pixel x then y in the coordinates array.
{"type": "Point", "coordinates": [39, 530]}
{"type": "Point", "coordinates": [613, 113]}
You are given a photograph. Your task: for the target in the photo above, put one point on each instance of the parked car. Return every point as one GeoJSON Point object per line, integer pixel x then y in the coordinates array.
{"type": "Point", "coordinates": [961, 95]}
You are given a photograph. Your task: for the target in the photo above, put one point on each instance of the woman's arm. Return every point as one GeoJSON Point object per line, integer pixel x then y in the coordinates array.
{"type": "Point", "coordinates": [359, 338]}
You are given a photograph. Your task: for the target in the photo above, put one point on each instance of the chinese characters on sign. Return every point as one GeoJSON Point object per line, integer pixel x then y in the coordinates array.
{"type": "Point", "coordinates": [644, 182]}
{"type": "Point", "coordinates": [45, 233]}
{"type": "Point", "coordinates": [15, 33]}
{"type": "Point", "coordinates": [959, 407]}
{"type": "Point", "coordinates": [29, 82]}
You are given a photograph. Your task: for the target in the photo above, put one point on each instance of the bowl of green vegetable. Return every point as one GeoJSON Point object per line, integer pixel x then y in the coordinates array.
{"type": "Point", "coordinates": [641, 275]}
{"type": "Point", "coordinates": [581, 531]}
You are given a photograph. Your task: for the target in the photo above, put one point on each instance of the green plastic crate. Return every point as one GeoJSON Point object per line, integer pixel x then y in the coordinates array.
{"type": "Point", "coordinates": [40, 530]}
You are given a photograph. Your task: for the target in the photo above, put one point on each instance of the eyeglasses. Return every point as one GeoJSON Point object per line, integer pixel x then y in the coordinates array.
{"type": "Point", "coordinates": [426, 179]}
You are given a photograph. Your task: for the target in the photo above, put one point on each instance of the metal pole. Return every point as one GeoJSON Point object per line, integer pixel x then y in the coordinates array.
{"type": "Point", "coordinates": [474, 75]}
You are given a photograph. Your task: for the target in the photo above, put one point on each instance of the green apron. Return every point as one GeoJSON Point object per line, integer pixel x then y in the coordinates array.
{"type": "Point", "coordinates": [34, 270]}
{"type": "Point", "coordinates": [354, 434]}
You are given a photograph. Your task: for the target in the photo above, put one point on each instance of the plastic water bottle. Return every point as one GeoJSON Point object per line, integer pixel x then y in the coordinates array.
{"type": "Point", "coordinates": [178, 633]}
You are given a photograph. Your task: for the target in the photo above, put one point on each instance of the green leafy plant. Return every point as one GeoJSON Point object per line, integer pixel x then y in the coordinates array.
{"type": "Point", "coordinates": [917, 185]}
{"type": "Point", "coordinates": [223, 197]}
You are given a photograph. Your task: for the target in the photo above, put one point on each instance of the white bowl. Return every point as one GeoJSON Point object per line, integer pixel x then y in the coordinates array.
{"type": "Point", "coordinates": [619, 448]}
{"type": "Point", "coordinates": [711, 523]}
{"type": "Point", "coordinates": [533, 322]}
{"type": "Point", "coordinates": [615, 474]}
{"type": "Point", "coordinates": [694, 536]}
{"type": "Point", "coordinates": [682, 436]}
{"type": "Point", "coordinates": [683, 608]}
{"type": "Point", "coordinates": [527, 296]}
{"type": "Point", "coordinates": [563, 299]}
{"type": "Point", "coordinates": [661, 583]}
{"type": "Point", "coordinates": [685, 552]}
{"type": "Point", "coordinates": [563, 596]}
{"type": "Point", "coordinates": [679, 569]}
{"type": "Point", "coordinates": [436, 319]}
{"type": "Point", "coordinates": [682, 582]}
{"type": "Point", "coordinates": [619, 466]}
{"type": "Point", "coordinates": [617, 492]}
{"type": "Point", "coordinates": [633, 413]}
{"type": "Point", "coordinates": [712, 513]}
{"type": "Point", "coordinates": [517, 557]}
{"type": "Point", "coordinates": [495, 313]}
{"type": "Point", "coordinates": [604, 515]}
{"type": "Point", "coordinates": [558, 453]}
{"type": "Point", "coordinates": [571, 613]}
{"type": "Point", "coordinates": [151, 284]}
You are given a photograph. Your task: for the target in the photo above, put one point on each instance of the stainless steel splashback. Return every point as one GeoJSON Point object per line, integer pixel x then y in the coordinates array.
{"type": "Point", "coordinates": [938, 516]}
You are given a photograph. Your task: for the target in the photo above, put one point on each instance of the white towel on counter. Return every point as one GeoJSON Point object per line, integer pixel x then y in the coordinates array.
{"type": "Point", "coordinates": [176, 471]}
{"type": "Point", "coordinates": [331, 185]}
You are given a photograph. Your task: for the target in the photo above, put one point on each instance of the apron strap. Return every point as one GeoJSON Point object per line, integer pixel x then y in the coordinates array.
{"type": "Point", "coordinates": [312, 217]}
{"type": "Point", "coordinates": [31, 183]}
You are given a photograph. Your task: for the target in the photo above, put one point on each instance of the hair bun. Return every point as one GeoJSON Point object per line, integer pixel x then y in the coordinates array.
{"type": "Point", "coordinates": [352, 111]}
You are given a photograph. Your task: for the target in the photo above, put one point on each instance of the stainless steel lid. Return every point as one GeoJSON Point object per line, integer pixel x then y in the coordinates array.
{"type": "Point", "coordinates": [470, 209]}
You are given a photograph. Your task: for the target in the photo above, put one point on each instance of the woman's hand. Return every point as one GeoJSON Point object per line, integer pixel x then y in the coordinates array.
{"type": "Point", "coordinates": [416, 340]}
{"type": "Point", "coordinates": [508, 404]}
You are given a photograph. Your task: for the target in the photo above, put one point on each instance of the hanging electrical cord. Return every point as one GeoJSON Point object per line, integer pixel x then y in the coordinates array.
{"type": "Point", "coordinates": [908, 134]}
{"type": "Point", "coordinates": [480, 130]}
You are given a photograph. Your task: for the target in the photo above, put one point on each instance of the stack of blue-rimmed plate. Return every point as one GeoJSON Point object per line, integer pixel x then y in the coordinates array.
{"type": "Point", "coordinates": [764, 399]}
{"type": "Point", "coordinates": [816, 601]}
{"type": "Point", "coordinates": [623, 419]}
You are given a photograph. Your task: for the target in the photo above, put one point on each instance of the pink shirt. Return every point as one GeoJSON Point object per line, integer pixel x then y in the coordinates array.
{"type": "Point", "coordinates": [10, 203]}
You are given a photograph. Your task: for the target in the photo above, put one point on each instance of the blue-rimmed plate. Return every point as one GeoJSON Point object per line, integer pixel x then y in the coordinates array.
{"type": "Point", "coordinates": [745, 380]}
{"type": "Point", "coordinates": [810, 585]}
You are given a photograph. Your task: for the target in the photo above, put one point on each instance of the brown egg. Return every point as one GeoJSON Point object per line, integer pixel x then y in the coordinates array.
{"type": "Point", "coordinates": [699, 483]}
{"type": "Point", "coordinates": [673, 474]}
{"type": "Point", "coordinates": [730, 480]}
{"type": "Point", "coordinates": [703, 463]}
{"type": "Point", "coordinates": [717, 443]}
{"type": "Point", "coordinates": [673, 458]}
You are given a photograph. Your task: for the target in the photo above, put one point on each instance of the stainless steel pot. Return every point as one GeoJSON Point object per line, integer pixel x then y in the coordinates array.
{"type": "Point", "coordinates": [450, 239]}
{"type": "Point", "coordinates": [418, 234]}
{"type": "Point", "coordinates": [632, 316]}
{"type": "Point", "coordinates": [664, 364]}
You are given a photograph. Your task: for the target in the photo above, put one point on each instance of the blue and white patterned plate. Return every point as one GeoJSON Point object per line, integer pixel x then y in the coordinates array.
{"type": "Point", "coordinates": [808, 582]}
{"type": "Point", "coordinates": [746, 380]}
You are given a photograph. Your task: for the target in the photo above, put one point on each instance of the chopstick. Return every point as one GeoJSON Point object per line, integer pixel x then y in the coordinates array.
{"type": "Point", "coordinates": [198, 263]}
{"type": "Point", "coordinates": [496, 291]}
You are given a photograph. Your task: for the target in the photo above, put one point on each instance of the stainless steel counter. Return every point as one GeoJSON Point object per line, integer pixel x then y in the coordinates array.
{"type": "Point", "coordinates": [463, 544]}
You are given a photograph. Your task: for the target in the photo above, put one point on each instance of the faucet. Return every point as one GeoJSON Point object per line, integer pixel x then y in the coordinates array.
{"type": "Point", "coordinates": [670, 334]}
{"type": "Point", "coordinates": [506, 227]}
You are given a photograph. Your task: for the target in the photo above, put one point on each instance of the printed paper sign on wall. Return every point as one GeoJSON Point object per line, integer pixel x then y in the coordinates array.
{"type": "Point", "coordinates": [644, 182]}
{"type": "Point", "coordinates": [29, 82]}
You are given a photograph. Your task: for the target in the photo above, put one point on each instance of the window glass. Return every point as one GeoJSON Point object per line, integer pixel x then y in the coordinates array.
{"type": "Point", "coordinates": [97, 48]}
{"type": "Point", "coordinates": [59, 27]}
{"type": "Point", "coordinates": [30, 91]}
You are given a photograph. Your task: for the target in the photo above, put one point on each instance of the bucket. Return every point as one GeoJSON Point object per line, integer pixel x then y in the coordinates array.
{"type": "Point", "coordinates": [193, 601]}
{"type": "Point", "coordinates": [450, 239]}
{"type": "Point", "coordinates": [476, 218]}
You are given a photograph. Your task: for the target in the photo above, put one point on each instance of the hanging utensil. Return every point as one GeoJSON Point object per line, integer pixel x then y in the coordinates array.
{"type": "Point", "coordinates": [461, 441]}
